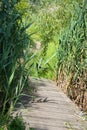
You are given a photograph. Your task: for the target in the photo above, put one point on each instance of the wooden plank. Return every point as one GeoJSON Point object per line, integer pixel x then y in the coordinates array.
{"type": "Point", "coordinates": [52, 109]}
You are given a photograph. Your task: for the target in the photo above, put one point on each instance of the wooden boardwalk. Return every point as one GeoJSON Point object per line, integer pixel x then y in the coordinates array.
{"type": "Point", "coordinates": [52, 109]}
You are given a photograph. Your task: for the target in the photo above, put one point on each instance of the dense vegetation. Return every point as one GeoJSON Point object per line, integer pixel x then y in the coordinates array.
{"type": "Point", "coordinates": [72, 57]}
{"type": "Point", "coordinates": [42, 38]}
{"type": "Point", "coordinates": [14, 53]}
{"type": "Point", "coordinates": [61, 28]}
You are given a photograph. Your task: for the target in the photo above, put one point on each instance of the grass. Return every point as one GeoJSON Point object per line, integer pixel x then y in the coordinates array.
{"type": "Point", "coordinates": [16, 124]}
{"type": "Point", "coordinates": [13, 123]}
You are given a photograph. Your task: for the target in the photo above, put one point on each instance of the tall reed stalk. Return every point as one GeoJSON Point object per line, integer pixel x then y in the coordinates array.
{"type": "Point", "coordinates": [72, 51]}
{"type": "Point", "coordinates": [14, 51]}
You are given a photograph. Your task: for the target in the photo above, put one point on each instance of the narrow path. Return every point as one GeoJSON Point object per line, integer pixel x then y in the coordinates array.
{"type": "Point", "coordinates": [52, 109]}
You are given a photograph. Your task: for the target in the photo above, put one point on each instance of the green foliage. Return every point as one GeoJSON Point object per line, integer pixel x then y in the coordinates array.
{"type": "Point", "coordinates": [16, 124]}
{"type": "Point", "coordinates": [50, 18]}
{"type": "Point", "coordinates": [61, 28]}
{"type": "Point", "coordinates": [4, 119]}
{"type": "Point", "coordinates": [48, 25]}
{"type": "Point", "coordinates": [14, 47]}
{"type": "Point", "coordinates": [12, 123]}
{"type": "Point", "coordinates": [22, 8]}
{"type": "Point", "coordinates": [72, 51]}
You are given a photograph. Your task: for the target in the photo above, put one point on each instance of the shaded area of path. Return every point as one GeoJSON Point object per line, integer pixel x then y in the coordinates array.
{"type": "Point", "coordinates": [51, 109]}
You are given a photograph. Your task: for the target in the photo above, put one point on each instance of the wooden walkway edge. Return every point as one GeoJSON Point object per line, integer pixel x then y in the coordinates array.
{"type": "Point", "coordinates": [52, 109]}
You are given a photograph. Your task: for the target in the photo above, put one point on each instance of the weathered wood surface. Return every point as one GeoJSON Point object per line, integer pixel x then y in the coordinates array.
{"type": "Point", "coordinates": [52, 109]}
